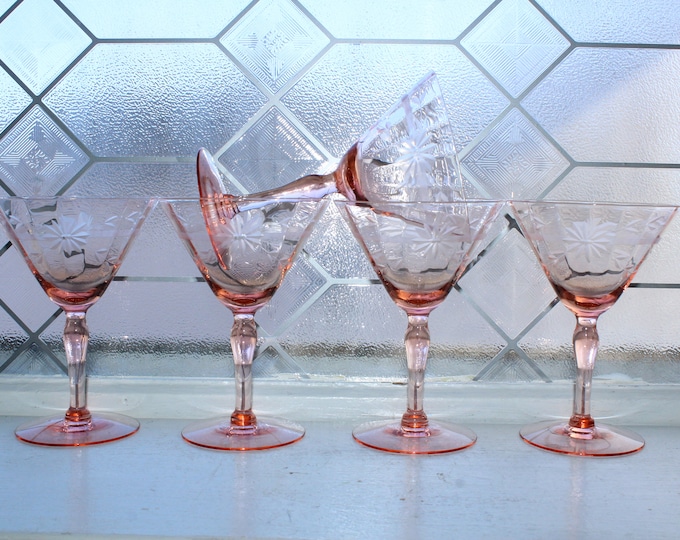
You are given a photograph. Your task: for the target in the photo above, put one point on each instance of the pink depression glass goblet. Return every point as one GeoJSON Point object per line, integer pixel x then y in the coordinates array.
{"type": "Point", "coordinates": [244, 259]}
{"type": "Point", "coordinates": [590, 253]}
{"type": "Point", "coordinates": [74, 247]}
{"type": "Point", "coordinates": [419, 251]}
{"type": "Point", "coordinates": [408, 154]}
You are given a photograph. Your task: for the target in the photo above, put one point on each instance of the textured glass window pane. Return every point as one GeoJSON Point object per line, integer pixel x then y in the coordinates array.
{"type": "Point", "coordinates": [357, 326]}
{"type": "Point", "coordinates": [352, 85]}
{"type": "Point", "coordinates": [336, 250]}
{"type": "Point", "coordinates": [515, 43]}
{"type": "Point", "coordinates": [37, 157]}
{"type": "Point", "coordinates": [38, 40]}
{"type": "Point", "coordinates": [274, 40]}
{"type": "Point", "coordinates": [22, 293]}
{"type": "Point", "coordinates": [606, 104]}
{"type": "Point", "coordinates": [4, 5]}
{"type": "Point", "coordinates": [272, 153]}
{"type": "Point", "coordinates": [154, 99]}
{"type": "Point", "coordinates": [617, 21]}
{"type": "Point", "coordinates": [396, 19]}
{"type": "Point", "coordinates": [158, 252]}
{"type": "Point", "coordinates": [155, 18]}
{"type": "Point", "coordinates": [521, 291]}
{"type": "Point", "coordinates": [633, 345]}
{"type": "Point", "coordinates": [14, 100]}
{"type": "Point", "coordinates": [137, 180]}
{"type": "Point", "coordinates": [514, 160]}
{"type": "Point", "coordinates": [131, 333]}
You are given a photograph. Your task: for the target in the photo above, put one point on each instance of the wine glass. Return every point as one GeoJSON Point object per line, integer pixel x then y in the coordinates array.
{"type": "Point", "coordinates": [74, 247]}
{"type": "Point", "coordinates": [590, 253]}
{"type": "Point", "coordinates": [244, 259]}
{"type": "Point", "coordinates": [419, 251]}
{"type": "Point", "coordinates": [407, 155]}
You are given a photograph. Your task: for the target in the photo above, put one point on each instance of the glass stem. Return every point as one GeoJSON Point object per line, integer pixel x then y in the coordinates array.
{"type": "Point", "coordinates": [76, 336]}
{"type": "Point", "coordinates": [417, 340]}
{"type": "Point", "coordinates": [243, 344]}
{"type": "Point", "coordinates": [586, 343]}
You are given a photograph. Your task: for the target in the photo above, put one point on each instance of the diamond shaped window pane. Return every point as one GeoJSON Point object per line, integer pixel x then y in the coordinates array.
{"type": "Point", "coordinates": [22, 294]}
{"type": "Point", "coordinates": [509, 285]}
{"type": "Point", "coordinates": [154, 99]}
{"type": "Point", "coordinates": [155, 19]}
{"type": "Point", "coordinates": [275, 40]}
{"type": "Point", "coordinates": [271, 153]}
{"type": "Point", "coordinates": [515, 43]}
{"type": "Point", "coordinates": [515, 160]}
{"type": "Point", "coordinates": [38, 41]}
{"type": "Point", "coordinates": [37, 157]}
{"type": "Point", "coordinates": [301, 283]}
{"type": "Point", "coordinates": [14, 100]}
{"type": "Point", "coordinates": [35, 361]}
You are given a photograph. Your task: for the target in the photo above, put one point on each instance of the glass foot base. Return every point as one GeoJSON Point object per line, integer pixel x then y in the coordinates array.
{"type": "Point", "coordinates": [52, 431]}
{"type": "Point", "coordinates": [389, 437]}
{"type": "Point", "coordinates": [600, 441]}
{"type": "Point", "coordinates": [219, 434]}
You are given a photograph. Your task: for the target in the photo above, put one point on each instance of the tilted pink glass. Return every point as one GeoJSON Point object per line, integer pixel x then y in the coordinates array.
{"type": "Point", "coordinates": [419, 251]}
{"type": "Point", "coordinates": [244, 258]}
{"type": "Point", "coordinates": [590, 253]}
{"type": "Point", "coordinates": [407, 155]}
{"type": "Point", "coordinates": [74, 247]}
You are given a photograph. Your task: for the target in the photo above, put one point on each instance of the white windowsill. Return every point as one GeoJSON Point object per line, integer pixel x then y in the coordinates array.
{"type": "Point", "coordinates": [327, 486]}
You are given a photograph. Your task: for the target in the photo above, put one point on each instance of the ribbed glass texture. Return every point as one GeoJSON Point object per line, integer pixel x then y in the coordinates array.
{"type": "Point", "coordinates": [567, 100]}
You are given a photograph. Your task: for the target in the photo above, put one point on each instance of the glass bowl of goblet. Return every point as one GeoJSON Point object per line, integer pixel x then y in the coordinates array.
{"type": "Point", "coordinates": [244, 258]}
{"type": "Point", "coordinates": [419, 250]}
{"type": "Point", "coordinates": [590, 253]}
{"type": "Point", "coordinates": [74, 247]}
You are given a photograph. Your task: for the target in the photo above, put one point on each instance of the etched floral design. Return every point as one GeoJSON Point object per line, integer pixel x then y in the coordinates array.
{"type": "Point", "coordinates": [417, 158]}
{"type": "Point", "coordinates": [423, 242]}
{"type": "Point", "coordinates": [249, 245]}
{"type": "Point", "coordinates": [68, 234]}
{"type": "Point", "coordinates": [589, 240]}
{"type": "Point", "coordinates": [243, 233]}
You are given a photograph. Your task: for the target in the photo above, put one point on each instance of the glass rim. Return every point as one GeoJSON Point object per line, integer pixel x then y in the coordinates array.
{"type": "Point", "coordinates": [583, 203]}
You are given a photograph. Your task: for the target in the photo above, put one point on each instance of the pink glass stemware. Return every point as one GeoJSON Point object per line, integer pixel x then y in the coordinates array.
{"type": "Point", "coordinates": [590, 253]}
{"type": "Point", "coordinates": [244, 259]}
{"type": "Point", "coordinates": [419, 251]}
{"type": "Point", "coordinates": [74, 247]}
{"type": "Point", "coordinates": [407, 155]}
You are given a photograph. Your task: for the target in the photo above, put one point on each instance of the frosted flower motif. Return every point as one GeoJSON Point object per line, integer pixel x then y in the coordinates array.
{"type": "Point", "coordinates": [420, 247]}
{"type": "Point", "coordinates": [416, 157]}
{"type": "Point", "coordinates": [589, 240]}
{"type": "Point", "coordinates": [68, 234]}
{"type": "Point", "coordinates": [244, 232]}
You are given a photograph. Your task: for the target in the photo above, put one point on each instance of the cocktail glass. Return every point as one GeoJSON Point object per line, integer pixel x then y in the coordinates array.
{"type": "Point", "coordinates": [590, 253]}
{"type": "Point", "coordinates": [74, 247]}
{"type": "Point", "coordinates": [419, 251]}
{"type": "Point", "coordinates": [407, 155]}
{"type": "Point", "coordinates": [244, 258]}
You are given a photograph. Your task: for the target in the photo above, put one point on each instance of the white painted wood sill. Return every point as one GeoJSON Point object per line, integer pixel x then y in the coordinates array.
{"type": "Point", "coordinates": [154, 485]}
